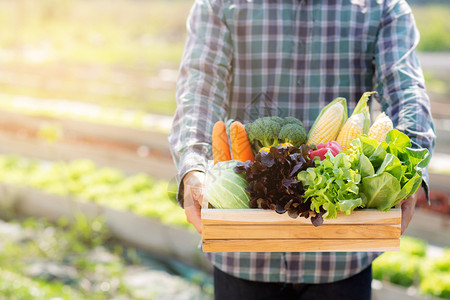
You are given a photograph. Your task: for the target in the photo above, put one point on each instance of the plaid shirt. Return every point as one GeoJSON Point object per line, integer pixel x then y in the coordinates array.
{"type": "Point", "coordinates": [246, 59]}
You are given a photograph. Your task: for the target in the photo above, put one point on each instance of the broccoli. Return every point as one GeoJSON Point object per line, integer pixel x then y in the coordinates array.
{"type": "Point", "coordinates": [279, 120]}
{"type": "Point", "coordinates": [264, 131]}
{"type": "Point", "coordinates": [270, 131]}
{"type": "Point", "coordinates": [292, 120]}
{"type": "Point", "coordinates": [294, 134]}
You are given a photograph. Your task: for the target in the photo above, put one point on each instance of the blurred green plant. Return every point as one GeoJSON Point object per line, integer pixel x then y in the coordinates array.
{"type": "Point", "coordinates": [433, 22]}
{"type": "Point", "coordinates": [435, 276]}
{"type": "Point", "coordinates": [29, 260]}
{"type": "Point", "coordinates": [51, 133]}
{"type": "Point", "coordinates": [83, 180]}
{"type": "Point", "coordinates": [411, 266]}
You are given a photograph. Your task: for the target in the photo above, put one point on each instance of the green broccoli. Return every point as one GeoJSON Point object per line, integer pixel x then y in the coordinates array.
{"type": "Point", "coordinates": [292, 120]}
{"type": "Point", "coordinates": [263, 132]}
{"type": "Point", "coordinates": [279, 120]}
{"type": "Point", "coordinates": [294, 134]}
{"type": "Point", "coordinates": [270, 131]}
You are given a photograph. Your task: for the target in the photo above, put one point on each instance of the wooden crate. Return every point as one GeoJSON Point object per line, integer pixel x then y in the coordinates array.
{"type": "Point", "coordinates": [258, 230]}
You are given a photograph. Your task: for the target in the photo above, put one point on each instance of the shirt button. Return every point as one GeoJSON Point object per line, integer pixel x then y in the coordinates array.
{"type": "Point", "coordinates": [300, 81]}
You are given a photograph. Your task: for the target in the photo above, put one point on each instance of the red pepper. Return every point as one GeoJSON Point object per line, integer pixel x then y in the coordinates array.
{"type": "Point", "coordinates": [322, 149]}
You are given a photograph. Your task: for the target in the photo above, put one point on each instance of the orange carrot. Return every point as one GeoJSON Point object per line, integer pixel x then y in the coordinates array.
{"type": "Point", "coordinates": [240, 146]}
{"type": "Point", "coordinates": [220, 145]}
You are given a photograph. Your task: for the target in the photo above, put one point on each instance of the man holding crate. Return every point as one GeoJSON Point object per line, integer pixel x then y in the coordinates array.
{"type": "Point", "coordinates": [248, 59]}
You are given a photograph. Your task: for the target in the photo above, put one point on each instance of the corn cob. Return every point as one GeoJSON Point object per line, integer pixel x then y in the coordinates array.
{"type": "Point", "coordinates": [357, 124]}
{"type": "Point", "coordinates": [380, 127]}
{"type": "Point", "coordinates": [328, 122]}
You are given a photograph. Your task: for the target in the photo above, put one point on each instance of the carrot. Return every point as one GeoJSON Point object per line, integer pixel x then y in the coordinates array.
{"type": "Point", "coordinates": [220, 145]}
{"type": "Point", "coordinates": [240, 145]}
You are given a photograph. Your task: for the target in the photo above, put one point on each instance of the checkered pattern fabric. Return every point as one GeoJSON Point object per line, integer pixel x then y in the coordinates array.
{"type": "Point", "coordinates": [246, 59]}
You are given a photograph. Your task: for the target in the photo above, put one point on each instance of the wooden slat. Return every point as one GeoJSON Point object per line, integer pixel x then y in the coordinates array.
{"type": "Point", "coordinates": [251, 216]}
{"type": "Point", "coordinates": [296, 245]}
{"type": "Point", "coordinates": [260, 231]}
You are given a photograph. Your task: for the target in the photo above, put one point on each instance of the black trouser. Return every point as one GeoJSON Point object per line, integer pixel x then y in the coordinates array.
{"type": "Point", "coordinates": [357, 287]}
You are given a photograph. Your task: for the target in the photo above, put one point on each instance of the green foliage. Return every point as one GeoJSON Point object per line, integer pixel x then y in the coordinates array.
{"type": "Point", "coordinates": [433, 22]}
{"type": "Point", "coordinates": [14, 286]}
{"type": "Point", "coordinates": [413, 246]}
{"type": "Point", "coordinates": [397, 167]}
{"type": "Point", "coordinates": [396, 267]}
{"type": "Point", "coordinates": [437, 285]}
{"type": "Point", "coordinates": [83, 180]}
{"type": "Point", "coordinates": [69, 246]}
{"type": "Point", "coordinates": [403, 267]}
{"type": "Point", "coordinates": [332, 185]}
{"type": "Point", "coordinates": [411, 266]}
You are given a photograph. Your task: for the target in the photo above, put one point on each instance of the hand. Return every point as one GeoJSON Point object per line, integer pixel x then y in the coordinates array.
{"type": "Point", "coordinates": [194, 183]}
{"type": "Point", "coordinates": [408, 205]}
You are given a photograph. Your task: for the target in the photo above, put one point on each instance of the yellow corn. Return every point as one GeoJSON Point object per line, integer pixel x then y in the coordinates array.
{"type": "Point", "coordinates": [352, 129]}
{"type": "Point", "coordinates": [328, 123]}
{"type": "Point", "coordinates": [357, 124]}
{"type": "Point", "coordinates": [380, 127]}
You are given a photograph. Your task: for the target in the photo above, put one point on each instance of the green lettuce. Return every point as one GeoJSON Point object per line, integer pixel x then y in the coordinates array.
{"type": "Point", "coordinates": [370, 174]}
{"type": "Point", "coordinates": [397, 168]}
{"type": "Point", "coordinates": [332, 185]}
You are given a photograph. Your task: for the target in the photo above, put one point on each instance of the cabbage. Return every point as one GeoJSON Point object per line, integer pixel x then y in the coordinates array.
{"type": "Point", "coordinates": [225, 188]}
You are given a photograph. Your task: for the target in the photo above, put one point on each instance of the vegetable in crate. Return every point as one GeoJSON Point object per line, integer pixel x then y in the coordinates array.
{"type": "Point", "coordinates": [391, 171]}
{"type": "Point", "coordinates": [272, 179]}
{"type": "Point", "coordinates": [328, 123]}
{"type": "Point", "coordinates": [225, 188]}
{"type": "Point", "coordinates": [220, 145]}
{"type": "Point", "coordinates": [322, 149]}
{"type": "Point", "coordinates": [357, 124]}
{"type": "Point", "coordinates": [332, 186]}
{"type": "Point", "coordinates": [240, 146]}
{"type": "Point", "coordinates": [371, 174]}
{"type": "Point", "coordinates": [380, 127]}
{"type": "Point", "coordinates": [271, 131]}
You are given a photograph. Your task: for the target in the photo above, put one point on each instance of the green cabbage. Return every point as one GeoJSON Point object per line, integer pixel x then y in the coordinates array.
{"type": "Point", "coordinates": [225, 188]}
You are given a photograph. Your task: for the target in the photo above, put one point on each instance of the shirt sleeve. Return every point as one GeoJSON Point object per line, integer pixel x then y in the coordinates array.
{"type": "Point", "coordinates": [399, 77]}
{"type": "Point", "coordinates": [202, 88]}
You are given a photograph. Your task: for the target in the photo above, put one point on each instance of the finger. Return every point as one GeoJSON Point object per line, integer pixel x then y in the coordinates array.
{"type": "Point", "coordinates": [192, 208]}
{"type": "Point", "coordinates": [193, 216]}
{"type": "Point", "coordinates": [407, 214]}
{"type": "Point", "coordinates": [193, 196]}
{"type": "Point", "coordinates": [408, 205]}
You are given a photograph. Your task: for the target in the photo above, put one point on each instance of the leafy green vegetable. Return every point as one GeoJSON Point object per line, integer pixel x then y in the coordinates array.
{"type": "Point", "coordinates": [381, 190]}
{"type": "Point", "coordinates": [370, 174]}
{"type": "Point", "coordinates": [397, 168]}
{"type": "Point", "coordinates": [365, 166]}
{"type": "Point", "coordinates": [225, 188]}
{"type": "Point", "coordinates": [332, 185]}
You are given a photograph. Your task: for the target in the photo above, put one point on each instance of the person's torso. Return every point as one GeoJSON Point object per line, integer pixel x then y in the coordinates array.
{"type": "Point", "coordinates": [294, 57]}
